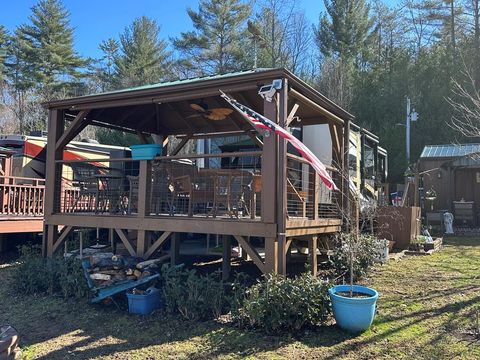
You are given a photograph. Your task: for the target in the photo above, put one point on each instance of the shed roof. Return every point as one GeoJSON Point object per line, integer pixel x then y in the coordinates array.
{"type": "Point", "coordinates": [449, 150]}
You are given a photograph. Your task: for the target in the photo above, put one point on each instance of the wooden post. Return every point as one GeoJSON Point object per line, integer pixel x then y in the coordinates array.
{"type": "Point", "coordinates": [269, 164]}
{"type": "Point", "coordinates": [282, 182]}
{"type": "Point", "coordinates": [142, 242]}
{"type": "Point", "coordinates": [312, 252]}
{"type": "Point", "coordinates": [271, 255]}
{"type": "Point", "coordinates": [226, 256]}
{"type": "Point", "coordinates": [53, 177]}
{"type": "Point", "coordinates": [144, 189]}
{"type": "Point", "coordinates": [174, 248]}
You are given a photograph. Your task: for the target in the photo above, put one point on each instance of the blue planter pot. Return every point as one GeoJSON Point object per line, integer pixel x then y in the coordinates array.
{"type": "Point", "coordinates": [353, 314]}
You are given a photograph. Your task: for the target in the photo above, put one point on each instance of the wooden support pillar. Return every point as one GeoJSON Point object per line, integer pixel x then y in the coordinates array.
{"type": "Point", "coordinates": [142, 242]}
{"type": "Point", "coordinates": [53, 177]}
{"type": "Point", "coordinates": [269, 165]}
{"type": "Point", "coordinates": [174, 248]}
{"type": "Point", "coordinates": [52, 236]}
{"type": "Point", "coordinates": [312, 253]}
{"type": "Point", "coordinates": [271, 255]}
{"type": "Point", "coordinates": [226, 256]}
{"type": "Point", "coordinates": [144, 187]}
{"type": "Point", "coordinates": [282, 181]}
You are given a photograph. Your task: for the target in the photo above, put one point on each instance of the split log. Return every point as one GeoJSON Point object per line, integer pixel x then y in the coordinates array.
{"type": "Point", "coordinates": [98, 276]}
{"type": "Point", "coordinates": [144, 264]}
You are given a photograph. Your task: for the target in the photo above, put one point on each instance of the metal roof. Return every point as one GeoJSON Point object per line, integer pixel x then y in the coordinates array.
{"type": "Point", "coordinates": [183, 81]}
{"type": "Point", "coordinates": [449, 150]}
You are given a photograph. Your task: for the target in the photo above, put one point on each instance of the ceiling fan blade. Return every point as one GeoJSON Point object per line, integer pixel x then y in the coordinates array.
{"type": "Point", "coordinates": [198, 108]}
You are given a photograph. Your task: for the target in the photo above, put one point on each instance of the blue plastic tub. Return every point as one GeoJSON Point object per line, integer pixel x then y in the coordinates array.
{"type": "Point", "coordinates": [145, 151]}
{"type": "Point", "coordinates": [144, 304]}
{"type": "Point", "coordinates": [353, 314]}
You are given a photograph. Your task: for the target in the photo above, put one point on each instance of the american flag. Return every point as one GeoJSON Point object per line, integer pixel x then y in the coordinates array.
{"type": "Point", "coordinates": [268, 126]}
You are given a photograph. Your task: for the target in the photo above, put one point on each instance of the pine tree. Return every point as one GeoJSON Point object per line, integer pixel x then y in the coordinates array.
{"type": "Point", "coordinates": [143, 57]}
{"type": "Point", "coordinates": [215, 44]}
{"type": "Point", "coordinates": [344, 31]}
{"type": "Point", "coordinates": [48, 45]}
{"type": "Point", "coordinates": [106, 70]}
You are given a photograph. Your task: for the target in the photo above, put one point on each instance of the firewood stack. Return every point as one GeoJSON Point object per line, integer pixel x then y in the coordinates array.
{"type": "Point", "coordinates": [108, 269]}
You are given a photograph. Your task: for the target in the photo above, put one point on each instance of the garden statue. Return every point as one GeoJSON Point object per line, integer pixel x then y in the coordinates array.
{"type": "Point", "coordinates": [448, 222]}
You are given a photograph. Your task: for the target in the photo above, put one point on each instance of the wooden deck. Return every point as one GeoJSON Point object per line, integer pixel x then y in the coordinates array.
{"type": "Point", "coordinates": [21, 204]}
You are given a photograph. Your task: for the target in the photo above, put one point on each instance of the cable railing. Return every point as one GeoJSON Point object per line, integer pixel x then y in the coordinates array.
{"type": "Point", "coordinates": [183, 186]}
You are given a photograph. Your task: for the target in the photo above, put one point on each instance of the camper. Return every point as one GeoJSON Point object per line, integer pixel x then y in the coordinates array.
{"type": "Point", "coordinates": [29, 154]}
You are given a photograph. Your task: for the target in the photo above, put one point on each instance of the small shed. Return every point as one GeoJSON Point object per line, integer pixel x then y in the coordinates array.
{"type": "Point", "coordinates": [452, 171]}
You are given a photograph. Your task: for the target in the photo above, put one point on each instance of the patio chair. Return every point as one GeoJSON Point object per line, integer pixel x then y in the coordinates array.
{"type": "Point", "coordinates": [189, 186]}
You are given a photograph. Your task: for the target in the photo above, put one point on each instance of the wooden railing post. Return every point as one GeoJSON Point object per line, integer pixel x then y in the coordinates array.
{"type": "Point", "coordinates": [144, 189]}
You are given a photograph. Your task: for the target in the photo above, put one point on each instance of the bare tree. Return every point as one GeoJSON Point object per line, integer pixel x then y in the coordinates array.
{"type": "Point", "coordinates": [466, 104]}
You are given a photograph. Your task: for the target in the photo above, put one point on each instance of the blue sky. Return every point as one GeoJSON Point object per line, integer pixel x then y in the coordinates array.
{"type": "Point", "coordinates": [96, 20]}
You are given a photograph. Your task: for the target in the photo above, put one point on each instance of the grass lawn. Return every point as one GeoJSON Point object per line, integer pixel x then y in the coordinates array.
{"type": "Point", "coordinates": [427, 309]}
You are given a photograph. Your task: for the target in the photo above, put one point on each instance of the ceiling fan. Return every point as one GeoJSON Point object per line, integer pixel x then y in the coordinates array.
{"type": "Point", "coordinates": [215, 114]}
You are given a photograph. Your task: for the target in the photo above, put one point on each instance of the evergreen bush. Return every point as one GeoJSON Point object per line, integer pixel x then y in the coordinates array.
{"type": "Point", "coordinates": [38, 275]}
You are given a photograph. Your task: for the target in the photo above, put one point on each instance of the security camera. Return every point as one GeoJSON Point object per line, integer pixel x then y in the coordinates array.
{"type": "Point", "coordinates": [268, 91]}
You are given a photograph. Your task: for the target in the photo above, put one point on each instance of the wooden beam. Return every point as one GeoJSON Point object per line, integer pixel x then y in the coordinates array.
{"type": "Point", "coordinates": [312, 252]}
{"type": "Point", "coordinates": [251, 251]}
{"type": "Point", "coordinates": [159, 242]}
{"type": "Point", "coordinates": [180, 146]}
{"type": "Point", "coordinates": [331, 116]}
{"type": "Point", "coordinates": [174, 248]}
{"type": "Point", "coordinates": [335, 138]}
{"type": "Point", "coordinates": [62, 237]}
{"type": "Point", "coordinates": [244, 227]}
{"type": "Point", "coordinates": [314, 231]}
{"type": "Point", "coordinates": [226, 256]}
{"type": "Point", "coordinates": [292, 113]}
{"type": "Point", "coordinates": [77, 125]}
{"type": "Point", "coordinates": [126, 242]}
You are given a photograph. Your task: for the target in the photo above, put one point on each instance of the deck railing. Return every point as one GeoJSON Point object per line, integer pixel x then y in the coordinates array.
{"type": "Point", "coordinates": [227, 185]}
{"type": "Point", "coordinates": [21, 196]}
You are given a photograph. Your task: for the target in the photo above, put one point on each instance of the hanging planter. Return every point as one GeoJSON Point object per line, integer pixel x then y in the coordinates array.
{"type": "Point", "coordinates": [353, 306]}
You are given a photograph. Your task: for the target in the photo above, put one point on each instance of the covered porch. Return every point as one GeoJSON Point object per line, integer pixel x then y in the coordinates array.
{"type": "Point", "coordinates": [267, 192]}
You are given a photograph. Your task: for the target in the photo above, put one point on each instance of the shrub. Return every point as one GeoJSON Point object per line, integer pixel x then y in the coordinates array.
{"type": "Point", "coordinates": [365, 251]}
{"type": "Point", "coordinates": [277, 303]}
{"type": "Point", "coordinates": [38, 275]}
{"type": "Point", "coordinates": [193, 296]}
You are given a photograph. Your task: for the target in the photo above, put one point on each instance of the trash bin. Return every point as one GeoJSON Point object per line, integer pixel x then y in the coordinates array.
{"type": "Point", "coordinates": [144, 303]}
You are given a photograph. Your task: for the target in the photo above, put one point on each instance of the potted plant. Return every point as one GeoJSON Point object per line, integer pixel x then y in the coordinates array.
{"type": "Point", "coordinates": [353, 306]}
